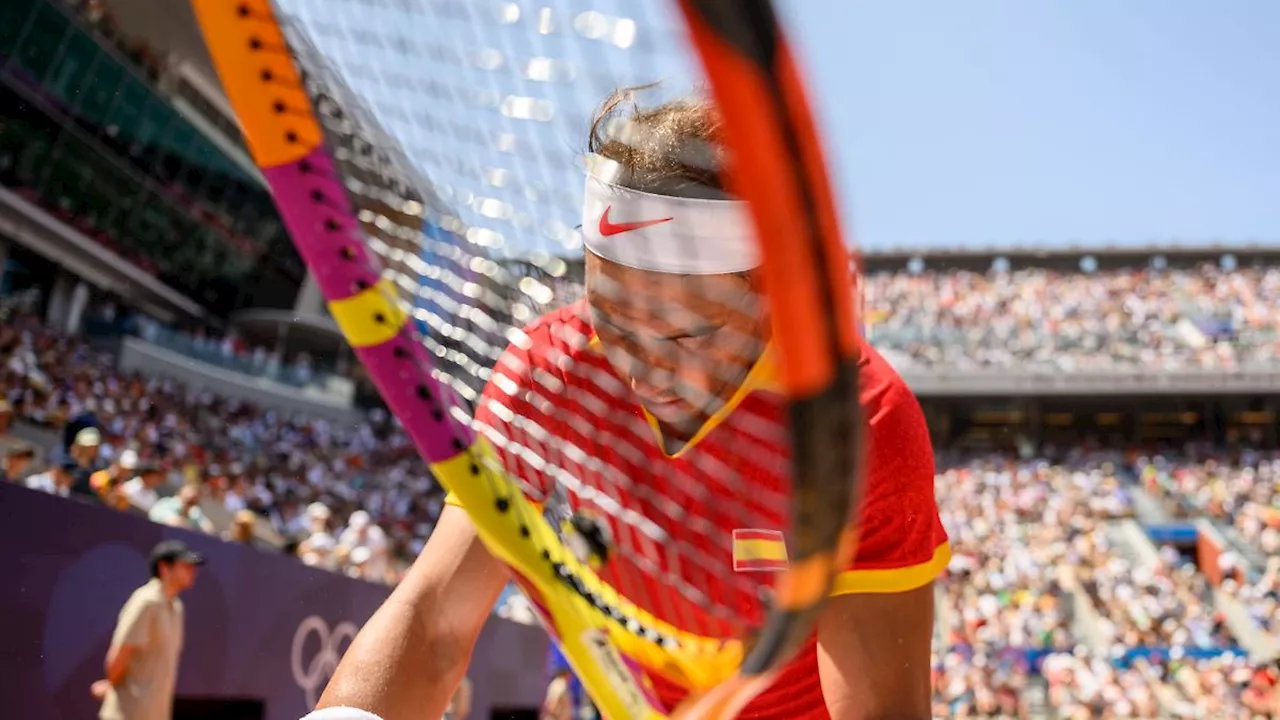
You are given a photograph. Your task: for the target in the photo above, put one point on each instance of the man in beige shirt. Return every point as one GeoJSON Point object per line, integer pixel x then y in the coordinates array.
{"type": "Point", "coordinates": [142, 663]}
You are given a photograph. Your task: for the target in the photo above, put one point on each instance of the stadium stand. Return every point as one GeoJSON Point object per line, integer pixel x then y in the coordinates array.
{"type": "Point", "coordinates": [1197, 317]}
{"type": "Point", "coordinates": [305, 479]}
{"type": "Point", "coordinates": [1106, 422]}
{"type": "Point", "coordinates": [1047, 595]}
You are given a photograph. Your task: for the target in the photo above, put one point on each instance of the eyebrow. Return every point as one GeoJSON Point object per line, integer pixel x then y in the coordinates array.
{"type": "Point", "coordinates": [677, 333]}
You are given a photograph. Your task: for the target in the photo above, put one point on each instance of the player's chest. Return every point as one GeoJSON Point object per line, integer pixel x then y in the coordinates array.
{"type": "Point", "coordinates": [695, 538]}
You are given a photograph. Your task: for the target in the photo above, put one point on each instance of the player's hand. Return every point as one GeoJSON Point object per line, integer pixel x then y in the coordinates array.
{"type": "Point", "coordinates": [99, 689]}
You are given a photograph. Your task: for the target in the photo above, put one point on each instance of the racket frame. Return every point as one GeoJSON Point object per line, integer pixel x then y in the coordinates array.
{"type": "Point", "coordinates": [605, 637]}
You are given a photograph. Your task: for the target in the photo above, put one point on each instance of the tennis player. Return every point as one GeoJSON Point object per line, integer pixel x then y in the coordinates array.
{"type": "Point", "coordinates": [671, 338]}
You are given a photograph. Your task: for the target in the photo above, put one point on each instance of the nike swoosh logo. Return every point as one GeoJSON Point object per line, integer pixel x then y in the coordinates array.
{"type": "Point", "coordinates": [608, 228]}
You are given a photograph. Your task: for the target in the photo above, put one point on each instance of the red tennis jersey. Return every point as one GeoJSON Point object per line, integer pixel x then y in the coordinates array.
{"type": "Point", "coordinates": [717, 505]}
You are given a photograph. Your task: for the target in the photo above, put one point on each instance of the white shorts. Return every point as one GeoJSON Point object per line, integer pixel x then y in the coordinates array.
{"type": "Point", "coordinates": [341, 713]}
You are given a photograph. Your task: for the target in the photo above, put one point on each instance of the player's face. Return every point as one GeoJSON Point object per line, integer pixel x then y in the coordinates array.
{"type": "Point", "coordinates": [181, 575]}
{"type": "Point", "coordinates": [682, 342]}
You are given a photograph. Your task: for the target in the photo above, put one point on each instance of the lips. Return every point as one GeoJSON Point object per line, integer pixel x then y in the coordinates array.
{"type": "Point", "coordinates": [657, 400]}
{"type": "Point", "coordinates": [668, 410]}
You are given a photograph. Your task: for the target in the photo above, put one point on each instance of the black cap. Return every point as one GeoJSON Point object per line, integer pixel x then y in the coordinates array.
{"type": "Point", "coordinates": [171, 550]}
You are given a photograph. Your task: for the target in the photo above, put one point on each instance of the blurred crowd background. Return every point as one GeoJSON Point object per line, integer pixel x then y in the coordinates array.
{"type": "Point", "coordinates": [1116, 551]}
{"type": "Point", "coordinates": [356, 500]}
{"type": "Point", "coordinates": [1200, 317]}
{"type": "Point", "coordinates": [1048, 605]}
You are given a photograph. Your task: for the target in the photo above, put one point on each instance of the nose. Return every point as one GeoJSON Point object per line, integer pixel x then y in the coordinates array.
{"type": "Point", "coordinates": [653, 370]}
{"type": "Point", "coordinates": [660, 388]}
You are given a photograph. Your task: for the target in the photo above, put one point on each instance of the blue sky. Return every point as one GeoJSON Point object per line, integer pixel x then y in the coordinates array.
{"type": "Point", "coordinates": [1049, 122]}
{"type": "Point", "coordinates": [987, 123]}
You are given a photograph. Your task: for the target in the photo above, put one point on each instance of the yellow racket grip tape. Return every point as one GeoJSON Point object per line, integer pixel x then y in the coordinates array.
{"type": "Point", "coordinates": [516, 533]}
{"type": "Point", "coordinates": [696, 662]}
{"type": "Point", "coordinates": [257, 72]}
{"type": "Point", "coordinates": [370, 317]}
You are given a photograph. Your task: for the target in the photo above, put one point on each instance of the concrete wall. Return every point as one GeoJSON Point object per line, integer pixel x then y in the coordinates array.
{"type": "Point", "coordinates": [141, 356]}
{"type": "Point", "coordinates": [260, 626]}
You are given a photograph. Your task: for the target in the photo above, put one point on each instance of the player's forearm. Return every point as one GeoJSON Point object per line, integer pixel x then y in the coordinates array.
{"type": "Point", "coordinates": [404, 663]}
{"type": "Point", "coordinates": [413, 652]}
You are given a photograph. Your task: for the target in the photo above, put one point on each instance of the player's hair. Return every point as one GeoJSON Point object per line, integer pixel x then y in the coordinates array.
{"type": "Point", "coordinates": [671, 149]}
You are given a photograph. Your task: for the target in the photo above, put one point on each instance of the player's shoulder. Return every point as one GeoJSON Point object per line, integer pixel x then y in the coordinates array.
{"type": "Point", "coordinates": [554, 336]}
{"type": "Point", "coordinates": [881, 386]}
{"type": "Point", "coordinates": [897, 422]}
{"type": "Point", "coordinates": [566, 326]}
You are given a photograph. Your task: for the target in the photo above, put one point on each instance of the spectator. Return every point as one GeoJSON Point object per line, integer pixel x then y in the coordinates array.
{"type": "Point", "coordinates": [371, 542]}
{"type": "Point", "coordinates": [1262, 694]}
{"type": "Point", "coordinates": [218, 486]}
{"type": "Point", "coordinates": [319, 549]}
{"type": "Point", "coordinates": [6, 423]}
{"type": "Point", "coordinates": [108, 483]}
{"type": "Point", "coordinates": [182, 510]}
{"type": "Point", "coordinates": [84, 450]}
{"type": "Point", "coordinates": [17, 460]}
{"type": "Point", "coordinates": [1260, 595]}
{"type": "Point", "coordinates": [141, 490]}
{"type": "Point", "coordinates": [565, 698]}
{"type": "Point", "coordinates": [241, 530]}
{"type": "Point", "coordinates": [287, 516]}
{"type": "Point", "coordinates": [142, 663]}
{"type": "Point", "coordinates": [83, 420]}
{"type": "Point", "coordinates": [558, 703]}
{"type": "Point", "coordinates": [236, 497]}
{"type": "Point", "coordinates": [57, 480]}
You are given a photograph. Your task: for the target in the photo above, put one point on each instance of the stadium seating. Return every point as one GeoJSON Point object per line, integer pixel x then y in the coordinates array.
{"type": "Point", "coordinates": [1047, 605]}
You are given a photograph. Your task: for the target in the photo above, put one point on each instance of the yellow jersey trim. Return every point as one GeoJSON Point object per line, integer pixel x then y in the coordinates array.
{"type": "Point", "coordinates": [895, 580]}
{"type": "Point", "coordinates": [762, 376]}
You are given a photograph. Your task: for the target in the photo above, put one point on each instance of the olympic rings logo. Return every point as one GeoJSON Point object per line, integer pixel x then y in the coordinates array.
{"type": "Point", "coordinates": [312, 676]}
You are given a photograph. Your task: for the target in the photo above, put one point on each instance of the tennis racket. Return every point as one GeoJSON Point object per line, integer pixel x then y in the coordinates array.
{"type": "Point", "coordinates": [426, 158]}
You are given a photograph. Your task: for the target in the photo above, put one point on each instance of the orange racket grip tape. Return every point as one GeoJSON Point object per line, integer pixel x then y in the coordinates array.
{"type": "Point", "coordinates": [258, 75]}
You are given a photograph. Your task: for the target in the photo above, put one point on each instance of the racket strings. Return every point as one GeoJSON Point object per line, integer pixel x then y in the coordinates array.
{"type": "Point", "coordinates": [457, 130]}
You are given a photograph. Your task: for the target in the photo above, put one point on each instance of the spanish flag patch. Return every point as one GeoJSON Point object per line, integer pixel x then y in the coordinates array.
{"type": "Point", "coordinates": [758, 550]}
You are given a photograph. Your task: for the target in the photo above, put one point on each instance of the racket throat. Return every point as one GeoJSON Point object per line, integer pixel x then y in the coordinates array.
{"type": "Point", "coordinates": [589, 539]}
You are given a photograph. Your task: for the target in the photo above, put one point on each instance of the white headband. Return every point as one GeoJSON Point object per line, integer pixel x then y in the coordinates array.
{"type": "Point", "coordinates": [688, 236]}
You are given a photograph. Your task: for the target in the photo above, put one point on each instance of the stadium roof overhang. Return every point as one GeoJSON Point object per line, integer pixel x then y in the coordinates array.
{"type": "Point", "coordinates": [169, 26]}
{"type": "Point", "coordinates": [32, 227]}
{"type": "Point", "coordinates": [292, 332]}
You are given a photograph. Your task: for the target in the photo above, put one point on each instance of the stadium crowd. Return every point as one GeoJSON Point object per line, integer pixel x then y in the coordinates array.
{"type": "Point", "coordinates": [1040, 600]}
{"type": "Point", "coordinates": [357, 500]}
{"type": "Point", "coordinates": [1243, 490]}
{"type": "Point", "coordinates": [1168, 319]}
{"type": "Point", "coordinates": [1033, 554]}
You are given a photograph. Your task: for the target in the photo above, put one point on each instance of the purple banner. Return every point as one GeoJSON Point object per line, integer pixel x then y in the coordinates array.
{"type": "Point", "coordinates": [260, 626]}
